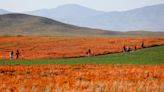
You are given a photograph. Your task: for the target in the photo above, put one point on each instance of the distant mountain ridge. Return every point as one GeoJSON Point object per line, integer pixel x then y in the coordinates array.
{"type": "Point", "coordinates": [2, 11]}
{"type": "Point", "coordinates": [149, 18]}
{"type": "Point", "coordinates": [67, 13]}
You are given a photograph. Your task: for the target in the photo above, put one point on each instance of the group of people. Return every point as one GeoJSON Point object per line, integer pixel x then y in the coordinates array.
{"type": "Point", "coordinates": [127, 48]}
{"type": "Point", "coordinates": [11, 55]}
{"type": "Point", "coordinates": [88, 52]}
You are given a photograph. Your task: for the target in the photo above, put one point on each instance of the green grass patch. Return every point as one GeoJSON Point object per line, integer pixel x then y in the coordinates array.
{"type": "Point", "coordinates": [153, 55]}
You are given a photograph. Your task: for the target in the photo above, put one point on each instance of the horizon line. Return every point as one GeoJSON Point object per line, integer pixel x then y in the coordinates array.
{"type": "Point", "coordinates": [80, 6]}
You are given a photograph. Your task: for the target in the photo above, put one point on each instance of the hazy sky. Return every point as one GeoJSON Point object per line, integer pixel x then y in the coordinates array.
{"type": "Point", "coordinates": [105, 5]}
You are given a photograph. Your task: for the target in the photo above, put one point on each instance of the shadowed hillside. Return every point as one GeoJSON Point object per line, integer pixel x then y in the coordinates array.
{"type": "Point", "coordinates": [21, 24]}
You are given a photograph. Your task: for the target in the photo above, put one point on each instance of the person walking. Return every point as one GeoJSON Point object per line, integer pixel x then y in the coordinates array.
{"type": "Point", "coordinates": [135, 47]}
{"type": "Point", "coordinates": [142, 44]}
{"type": "Point", "coordinates": [11, 55]}
{"type": "Point", "coordinates": [124, 48]}
{"type": "Point", "coordinates": [17, 54]}
{"type": "Point", "coordinates": [88, 52]}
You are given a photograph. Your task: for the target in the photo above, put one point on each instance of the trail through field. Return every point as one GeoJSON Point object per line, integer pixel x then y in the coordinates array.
{"type": "Point", "coordinates": [35, 47]}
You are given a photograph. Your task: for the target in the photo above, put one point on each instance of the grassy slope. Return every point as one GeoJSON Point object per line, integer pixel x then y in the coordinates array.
{"type": "Point", "coordinates": [154, 55]}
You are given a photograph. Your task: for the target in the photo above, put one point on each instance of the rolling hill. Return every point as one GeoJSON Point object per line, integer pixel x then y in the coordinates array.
{"type": "Point", "coordinates": [22, 24]}
{"type": "Point", "coordinates": [149, 18]}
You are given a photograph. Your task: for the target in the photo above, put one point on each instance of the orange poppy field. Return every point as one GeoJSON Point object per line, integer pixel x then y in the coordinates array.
{"type": "Point", "coordinates": [77, 77]}
{"type": "Point", "coordinates": [35, 47]}
{"type": "Point", "coordinates": [81, 78]}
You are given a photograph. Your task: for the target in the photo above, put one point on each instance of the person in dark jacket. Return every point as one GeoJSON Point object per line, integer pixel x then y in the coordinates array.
{"type": "Point", "coordinates": [142, 45]}
{"type": "Point", "coordinates": [17, 54]}
{"type": "Point", "coordinates": [88, 52]}
{"type": "Point", "coordinates": [135, 47]}
{"type": "Point", "coordinates": [124, 48]}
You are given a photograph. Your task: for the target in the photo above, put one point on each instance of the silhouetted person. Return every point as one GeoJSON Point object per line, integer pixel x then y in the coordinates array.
{"type": "Point", "coordinates": [17, 54]}
{"type": "Point", "coordinates": [124, 48]}
{"type": "Point", "coordinates": [142, 45]}
{"type": "Point", "coordinates": [135, 48]}
{"type": "Point", "coordinates": [88, 52]}
{"type": "Point", "coordinates": [11, 55]}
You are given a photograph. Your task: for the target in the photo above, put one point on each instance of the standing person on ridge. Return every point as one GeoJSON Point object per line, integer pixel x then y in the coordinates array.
{"type": "Point", "coordinates": [11, 55]}
{"type": "Point", "coordinates": [142, 45]}
{"type": "Point", "coordinates": [88, 52]}
{"type": "Point", "coordinates": [17, 54]}
{"type": "Point", "coordinates": [135, 47]}
{"type": "Point", "coordinates": [124, 48]}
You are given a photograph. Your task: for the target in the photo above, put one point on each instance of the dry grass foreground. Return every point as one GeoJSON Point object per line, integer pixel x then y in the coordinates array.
{"type": "Point", "coordinates": [35, 47]}
{"type": "Point", "coordinates": [81, 78]}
